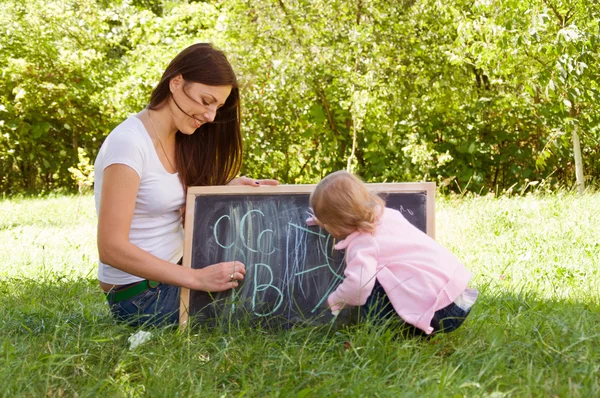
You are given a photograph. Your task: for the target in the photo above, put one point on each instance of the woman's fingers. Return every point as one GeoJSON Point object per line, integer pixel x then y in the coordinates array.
{"type": "Point", "coordinates": [235, 278]}
{"type": "Point", "coordinates": [252, 182]}
{"type": "Point", "coordinates": [239, 267]}
{"type": "Point", "coordinates": [234, 272]}
{"type": "Point", "coordinates": [243, 181]}
{"type": "Point", "coordinates": [219, 277]}
{"type": "Point", "coordinates": [268, 182]}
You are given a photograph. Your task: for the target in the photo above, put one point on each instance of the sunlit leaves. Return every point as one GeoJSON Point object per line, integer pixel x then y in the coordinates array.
{"type": "Point", "coordinates": [483, 93]}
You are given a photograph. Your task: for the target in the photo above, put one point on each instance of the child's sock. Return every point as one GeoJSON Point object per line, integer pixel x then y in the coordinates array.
{"type": "Point", "coordinates": [466, 300]}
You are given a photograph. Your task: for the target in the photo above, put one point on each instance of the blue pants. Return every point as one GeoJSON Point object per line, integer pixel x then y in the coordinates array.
{"type": "Point", "coordinates": [379, 308]}
{"type": "Point", "coordinates": [157, 306]}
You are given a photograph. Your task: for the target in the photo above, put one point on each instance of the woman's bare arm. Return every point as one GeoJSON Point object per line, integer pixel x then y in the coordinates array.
{"type": "Point", "coordinates": [119, 191]}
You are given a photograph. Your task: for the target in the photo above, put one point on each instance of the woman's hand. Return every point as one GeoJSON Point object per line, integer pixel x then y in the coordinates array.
{"type": "Point", "coordinates": [219, 277]}
{"type": "Point", "coordinates": [252, 182]}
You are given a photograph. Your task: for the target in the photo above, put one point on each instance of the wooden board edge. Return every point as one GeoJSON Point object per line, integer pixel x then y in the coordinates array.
{"type": "Point", "coordinates": [428, 187]}
{"type": "Point", "coordinates": [304, 188]}
{"type": "Point", "coordinates": [391, 187]}
{"type": "Point", "coordinates": [184, 295]}
{"type": "Point", "coordinates": [430, 206]}
{"type": "Point", "coordinates": [244, 189]}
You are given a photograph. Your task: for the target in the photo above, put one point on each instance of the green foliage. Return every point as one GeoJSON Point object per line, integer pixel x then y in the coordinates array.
{"type": "Point", "coordinates": [83, 174]}
{"type": "Point", "coordinates": [431, 90]}
{"type": "Point", "coordinates": [480, 94]}
{"type": "Point", "coordinates": [542, 63]}
{"type": "Point", "coordinates": [56, 62]}
{"type": "Point", "coordinates": [69, 78]}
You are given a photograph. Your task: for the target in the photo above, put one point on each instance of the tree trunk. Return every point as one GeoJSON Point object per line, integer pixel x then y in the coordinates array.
{"type": "Point", "coordinates": [578, 162]}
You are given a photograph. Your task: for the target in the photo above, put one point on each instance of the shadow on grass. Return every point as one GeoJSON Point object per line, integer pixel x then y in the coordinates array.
{"type": "Point", "coordinates": [38, 306]}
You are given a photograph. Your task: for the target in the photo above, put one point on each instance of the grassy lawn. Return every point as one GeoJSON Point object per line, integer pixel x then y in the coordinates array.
{"type": "Point", "coordinates": [535, 330]}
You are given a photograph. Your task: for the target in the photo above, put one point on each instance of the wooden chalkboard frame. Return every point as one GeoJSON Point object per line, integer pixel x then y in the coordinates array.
{"type": "Point", "coordinates": [193, 192]}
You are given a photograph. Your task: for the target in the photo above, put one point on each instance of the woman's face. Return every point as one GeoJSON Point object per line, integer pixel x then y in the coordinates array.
{"type": "Point", "coordinates": [194, 104]}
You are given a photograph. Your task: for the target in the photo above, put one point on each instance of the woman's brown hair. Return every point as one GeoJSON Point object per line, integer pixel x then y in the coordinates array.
{"type": "Point", "coordinates": [342, 202]}
{"type": "Point", "coordinates": [213, 154]}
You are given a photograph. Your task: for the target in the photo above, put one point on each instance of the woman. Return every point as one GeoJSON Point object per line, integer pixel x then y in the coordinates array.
{"type": "Point", "coordinates": [189, 135]}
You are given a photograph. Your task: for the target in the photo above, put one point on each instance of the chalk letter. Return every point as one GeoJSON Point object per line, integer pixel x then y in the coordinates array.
{"type": "Point", "coordinates": [263, 287]}
{"type": "Point", "coordinates": [215, 232]}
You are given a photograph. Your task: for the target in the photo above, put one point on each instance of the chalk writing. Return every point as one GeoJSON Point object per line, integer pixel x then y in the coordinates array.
{"type": "Point", "coordinates": [263, 278]}
{"type": "Point", "coordinates": [291, 268]}
{"type": "Point", "coordinates": [215, 232]}
{"type": "Point", "coordinates": [401, 209]}
{"type": "Point", "coordinates": [263, 287]}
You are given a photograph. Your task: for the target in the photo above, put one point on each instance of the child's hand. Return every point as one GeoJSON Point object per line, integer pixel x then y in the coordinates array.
{"type": "Point", "coordinates": [334, 307]}
{"type": "Point", "coordinates": [312, 221]}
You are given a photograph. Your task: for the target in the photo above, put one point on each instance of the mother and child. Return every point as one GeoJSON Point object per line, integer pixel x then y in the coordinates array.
{"type": "Point", "coordinates": [189, 135]}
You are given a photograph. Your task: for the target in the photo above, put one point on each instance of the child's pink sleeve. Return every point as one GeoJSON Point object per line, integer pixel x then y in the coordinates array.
{"type": "Point", "coordinates": [360, 272]}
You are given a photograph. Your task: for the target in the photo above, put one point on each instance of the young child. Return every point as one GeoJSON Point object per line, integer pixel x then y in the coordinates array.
{"type": "Point", "coordinates": [390, 263]}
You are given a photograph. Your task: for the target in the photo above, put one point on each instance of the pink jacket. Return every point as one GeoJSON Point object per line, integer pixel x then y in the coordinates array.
{"type": "Point", "coordinates": [418, 274]}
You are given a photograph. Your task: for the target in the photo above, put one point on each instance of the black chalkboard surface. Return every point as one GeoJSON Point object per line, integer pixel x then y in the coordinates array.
{"type": "Point", "coordinates": [291, 268]}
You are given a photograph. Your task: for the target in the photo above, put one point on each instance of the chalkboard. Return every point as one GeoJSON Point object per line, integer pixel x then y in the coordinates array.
{"type": "Point", "coordinates": [291, 268]}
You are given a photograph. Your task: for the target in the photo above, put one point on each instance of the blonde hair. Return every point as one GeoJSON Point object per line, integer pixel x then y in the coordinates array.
{"type": "Point", "coordinates": [342, 201]}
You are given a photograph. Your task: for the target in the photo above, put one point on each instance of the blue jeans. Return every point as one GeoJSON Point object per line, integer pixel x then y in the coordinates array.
{"type": "Point", "coordinates": [379, 308]}
{"type": "Point", "coordinates": [157, 306]}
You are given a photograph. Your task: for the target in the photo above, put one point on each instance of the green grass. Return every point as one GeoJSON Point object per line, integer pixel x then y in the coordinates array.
{"type": "Point", "coordinates": [535, 330]}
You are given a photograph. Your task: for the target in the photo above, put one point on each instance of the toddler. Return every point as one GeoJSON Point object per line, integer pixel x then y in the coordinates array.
{"type": "Point", "coordinates": [391, 265]}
